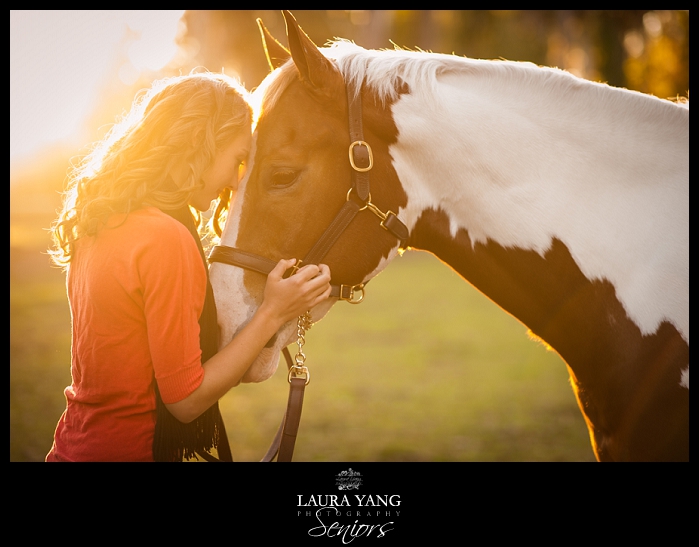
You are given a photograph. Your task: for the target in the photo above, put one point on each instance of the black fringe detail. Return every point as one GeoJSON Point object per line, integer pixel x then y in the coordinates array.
{"type": "Point", "coordinates": [173, 440]}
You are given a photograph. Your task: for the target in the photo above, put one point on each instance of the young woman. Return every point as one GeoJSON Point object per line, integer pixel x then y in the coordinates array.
{"type": "Point", "coordinates": [146, 370]}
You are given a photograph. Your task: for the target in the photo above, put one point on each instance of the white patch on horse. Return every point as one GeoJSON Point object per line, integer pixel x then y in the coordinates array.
{"type": "Point", "coordinates": [519, 154]}
{"type": "Point", "coordinates": [234, 305]}
{"type": "Point", "coordinates": [684, 381]}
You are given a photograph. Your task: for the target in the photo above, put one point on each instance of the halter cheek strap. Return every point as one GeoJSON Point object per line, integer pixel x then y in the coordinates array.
{"type": "Point", "coordinates": [358, 199]}
{"type": "Point", "coordinates": [262, 265]}
{"type": "Point", "coordinates": [360, 154]}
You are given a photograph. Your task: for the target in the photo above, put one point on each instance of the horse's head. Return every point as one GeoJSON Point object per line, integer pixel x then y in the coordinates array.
{"type": "Point", "coordinates": [300, 175]}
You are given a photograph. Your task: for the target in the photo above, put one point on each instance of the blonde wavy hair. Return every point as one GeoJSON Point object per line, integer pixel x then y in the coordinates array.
{"type": "Point", "coordinates": [178, 121]}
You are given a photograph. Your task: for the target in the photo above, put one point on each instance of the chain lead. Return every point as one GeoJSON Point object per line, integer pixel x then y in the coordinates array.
{"type": "Point", "coordinates": [299, 369]}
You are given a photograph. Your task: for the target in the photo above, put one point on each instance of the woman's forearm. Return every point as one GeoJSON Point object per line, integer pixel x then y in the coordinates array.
{"type": "Point", "coordinates": [284, 299]}
{"type": "Point", "coordinates": [226, 368]}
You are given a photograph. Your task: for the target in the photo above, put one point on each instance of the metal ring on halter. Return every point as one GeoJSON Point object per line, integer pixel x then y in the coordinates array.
{"type": "Point", "coordinates": [368, 200]}
{"type": "Point", "coordinates": [352, 290]}
{"type": "Point", "coordinates": [351, 156]}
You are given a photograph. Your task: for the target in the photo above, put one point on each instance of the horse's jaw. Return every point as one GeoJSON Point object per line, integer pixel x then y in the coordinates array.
{"type": "Point", "coordinates": [265, 365]}
{"type": "Point", "coordinates": [236, 307]}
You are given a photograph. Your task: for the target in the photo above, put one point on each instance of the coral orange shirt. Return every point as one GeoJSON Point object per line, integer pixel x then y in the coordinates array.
{"type": "Point", "coordinates": [136, 292]}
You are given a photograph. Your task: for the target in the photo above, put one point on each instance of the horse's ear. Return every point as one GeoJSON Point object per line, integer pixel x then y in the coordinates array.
{"type": "Point", "coordinates": [315, 69]}
{"type": "Point", "coordinates": [276, 53]}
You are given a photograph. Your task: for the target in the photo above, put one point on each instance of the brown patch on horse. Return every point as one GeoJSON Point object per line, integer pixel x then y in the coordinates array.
{"type": "Point", "coordinates": [627, 383]}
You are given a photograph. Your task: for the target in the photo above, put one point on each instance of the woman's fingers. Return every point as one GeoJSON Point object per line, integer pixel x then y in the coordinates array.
{"type": "Point", "coordinates": [282, 266]}
{"type": "Point", "coordinates": [315, 283]}
{"type": "Point", "coordinates": [311, 282]}
{"type": "Point", "coordinates": [320, 283]}
{"type": "Point", "coordinates": [309, 271]}
{"type": "Point", "coordinates": [324, 295]}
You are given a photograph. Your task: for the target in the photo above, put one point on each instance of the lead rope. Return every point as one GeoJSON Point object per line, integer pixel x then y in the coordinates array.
{"type": "Point", "coordinates": [299, 377]}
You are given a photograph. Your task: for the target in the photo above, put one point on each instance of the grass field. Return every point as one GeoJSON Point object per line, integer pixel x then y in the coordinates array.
{"type": "Point", "coordinates": [425, 369]}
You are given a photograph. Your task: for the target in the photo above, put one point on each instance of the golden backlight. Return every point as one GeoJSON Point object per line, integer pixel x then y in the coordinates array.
{"type": "Point", "coordinates": [61, 62]}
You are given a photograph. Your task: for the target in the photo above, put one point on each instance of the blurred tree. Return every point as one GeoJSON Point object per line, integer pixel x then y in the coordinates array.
{"type": "Point", "coordinates": [640, 49]}
{"type": "Point", "coordinates": [657, 59]}
{"type": "Point", "coordinates": [225, 40]}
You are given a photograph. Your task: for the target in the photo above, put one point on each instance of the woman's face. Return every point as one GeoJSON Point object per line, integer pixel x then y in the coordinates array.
{"type": "Point", "coordinates": [223, 171]}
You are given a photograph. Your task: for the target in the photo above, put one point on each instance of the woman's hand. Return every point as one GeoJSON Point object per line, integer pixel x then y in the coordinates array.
{"type": "Point", "coordinates": [286, 299]}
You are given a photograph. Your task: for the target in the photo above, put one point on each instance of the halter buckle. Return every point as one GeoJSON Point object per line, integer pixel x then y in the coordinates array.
{"type": "Point", "coordinates": [351, 156]}
{"type": "Point", "coordinates": [347, 293]}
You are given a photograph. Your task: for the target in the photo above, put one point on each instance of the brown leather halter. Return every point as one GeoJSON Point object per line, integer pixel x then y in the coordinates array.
{"type": "Point", "coordinates": [361, 159]}
{"type": "Point", "coordinates": [358, 199]}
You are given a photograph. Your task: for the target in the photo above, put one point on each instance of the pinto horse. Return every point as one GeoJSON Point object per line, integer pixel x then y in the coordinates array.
{"type": "Point", "coordinates": [563, 200]}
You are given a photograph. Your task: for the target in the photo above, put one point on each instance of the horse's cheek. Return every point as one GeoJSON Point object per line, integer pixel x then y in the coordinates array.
{"type": "Point", "coordinates": [231, 307]}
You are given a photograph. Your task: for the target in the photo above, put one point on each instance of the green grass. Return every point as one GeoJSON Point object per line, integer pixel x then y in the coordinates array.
{"type": "Point", "coordinates": [39, 354]}
{"type": "Point", "coordinates": [425, 369]}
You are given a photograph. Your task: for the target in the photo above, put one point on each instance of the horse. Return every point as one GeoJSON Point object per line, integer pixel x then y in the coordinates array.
{"type": "Point", "coordinates": [563, 200]}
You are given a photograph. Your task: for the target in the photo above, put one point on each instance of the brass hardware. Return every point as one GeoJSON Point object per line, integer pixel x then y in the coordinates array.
{"type": "Point", "coordinates": [299, 369]}
{"type": "Point", "coordinates": [349, 192]}
{"type": "Point", "coordinates": [374, 209]}
{"type": "Point", "coordinates": [351, 157]}
{"type": "Point", "coordinates": [383, 216]}
{"type": "Point", "coordinates": [299, 372]}
{"type": "Point", "coordinates": [295, 267]}
{"type": "Point", "coordinates": [352, 289]}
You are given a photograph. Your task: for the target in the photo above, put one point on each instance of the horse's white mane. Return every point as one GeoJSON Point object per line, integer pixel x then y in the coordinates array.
{"type": "Point", "coordinates": [385, 70]}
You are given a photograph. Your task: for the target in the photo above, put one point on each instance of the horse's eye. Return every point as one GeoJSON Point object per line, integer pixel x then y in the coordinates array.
{"type": "Point", "coordinates": [283, 178]}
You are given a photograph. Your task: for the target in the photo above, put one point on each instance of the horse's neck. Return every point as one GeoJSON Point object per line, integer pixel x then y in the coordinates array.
{"type": "Point", "coordinates": [510, 163]}
{"type": "Point", "coordinates": [572, 216]}
{"type": "Point", "coordinates": [506, 171]}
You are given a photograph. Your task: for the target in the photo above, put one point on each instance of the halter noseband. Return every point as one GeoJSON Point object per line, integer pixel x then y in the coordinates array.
{"type": "Point", "coordinates": [361, 159]}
